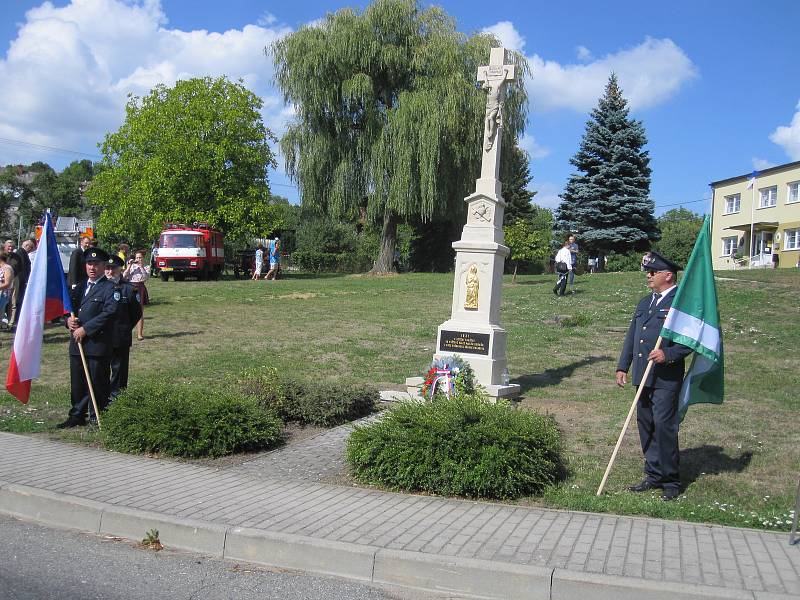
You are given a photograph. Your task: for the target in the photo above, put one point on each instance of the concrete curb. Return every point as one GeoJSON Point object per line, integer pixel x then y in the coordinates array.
{"type": "Point", "coordinates": [469, 578]}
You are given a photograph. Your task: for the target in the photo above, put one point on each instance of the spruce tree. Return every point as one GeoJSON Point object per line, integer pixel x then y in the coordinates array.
{"type": "Point", "coordinates": [515, 175]}
{"type": "Point", "coordinates": [607, 202]}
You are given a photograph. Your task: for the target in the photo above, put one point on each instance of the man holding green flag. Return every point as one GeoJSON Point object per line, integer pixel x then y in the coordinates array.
{"type": "Point", "coordinates": [686, 320]}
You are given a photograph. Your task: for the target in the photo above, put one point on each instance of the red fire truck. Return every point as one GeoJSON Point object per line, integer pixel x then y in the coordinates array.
{"type": "Point", "coordinates": [195, 250]}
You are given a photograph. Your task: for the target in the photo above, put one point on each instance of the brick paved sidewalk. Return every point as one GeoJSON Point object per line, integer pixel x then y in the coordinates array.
{"type": "Point", "coordinates": [648, 549]}
{"type": "Point", "coordinates": [314, 459]}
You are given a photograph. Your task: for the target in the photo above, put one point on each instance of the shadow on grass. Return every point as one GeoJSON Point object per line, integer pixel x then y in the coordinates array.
{"type": "Point", "coordinates": [172, 335]}
{"type": "Point", "coordinates": [555, 376]}
{"type": "Point", "coordinates": [710, 460]}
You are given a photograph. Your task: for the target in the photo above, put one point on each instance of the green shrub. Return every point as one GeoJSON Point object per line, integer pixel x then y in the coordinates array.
{"type": "Point", "coordinates": [631, 261]}
{"type": "Point", "coordinates": [462, 446]}
{"type": "Point", "coordinates": [309, 403]}
{"type": "Point", "coordinates": [579, 320]}
{"type": "Point", "coordinates": [180, 419]}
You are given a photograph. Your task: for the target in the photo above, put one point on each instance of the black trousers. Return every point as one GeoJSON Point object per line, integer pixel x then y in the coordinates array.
{"type": "Point", "coordinates": [120, 358]}
{"type": "Point", "coordinates": [657, 417]}
{"type": "Point", "coordinates": [79, 390]}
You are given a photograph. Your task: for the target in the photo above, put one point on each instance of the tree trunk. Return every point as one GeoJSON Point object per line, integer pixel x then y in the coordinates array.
{"type": "Point", "coordinates": [385, 261]}
{"type": "Point", "coordinates": [514, 278]}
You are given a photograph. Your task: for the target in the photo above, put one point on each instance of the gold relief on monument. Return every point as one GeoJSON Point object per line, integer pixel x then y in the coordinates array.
{"type": "Point", "coordinates": [471, 301]}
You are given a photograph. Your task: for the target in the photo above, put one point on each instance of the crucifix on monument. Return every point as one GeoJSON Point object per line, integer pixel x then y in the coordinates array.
{"type": "Point", "coordinates": [473, 330]}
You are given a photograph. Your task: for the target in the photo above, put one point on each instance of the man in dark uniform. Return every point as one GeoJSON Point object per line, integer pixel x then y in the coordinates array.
{"type": "Point", "coordinates": [129, 311]}
{"type": "Point", "coordinates": [95, 308]}
{"type": "Point", "coordinates": [657, 410]}
{"type": "Point", "coordinates": [76, 276]}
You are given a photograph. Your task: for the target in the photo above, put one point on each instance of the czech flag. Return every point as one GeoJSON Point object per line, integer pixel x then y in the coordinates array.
{"type": "Point", "coordinates": [46, 298]}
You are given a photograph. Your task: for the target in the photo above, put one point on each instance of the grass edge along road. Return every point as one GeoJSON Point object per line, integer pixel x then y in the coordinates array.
{"type": "Point", "coordinates": [739, 460]}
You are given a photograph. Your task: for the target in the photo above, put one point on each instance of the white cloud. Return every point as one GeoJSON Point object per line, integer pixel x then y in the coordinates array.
{"type": "Point", "coordinates": [507, 34]}
{"type": "Point", "coordinates": [546, 194]}
{"type": "Point", "coordinates": [67, 74]}
{"type": "Point", "coordinates": [649, 74]}
{"type": "Point", "coordinates": [532, 147]}
{"type": "Point", "coordinates": [759, 164]}
{"type": "Point", "coordinates": [788, 136]}
{"type": "Point", "coordinates": [266, 19]}
{"type": "Point", "coordinates": [583, 54]}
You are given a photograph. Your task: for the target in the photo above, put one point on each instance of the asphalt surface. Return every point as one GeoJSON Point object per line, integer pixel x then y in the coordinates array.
{"type": "Point", "coordinates": [39, 563]}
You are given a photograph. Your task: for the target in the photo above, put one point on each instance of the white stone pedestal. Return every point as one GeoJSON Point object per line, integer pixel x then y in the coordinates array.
{"type": "Point", "coordinates": [473, 330]}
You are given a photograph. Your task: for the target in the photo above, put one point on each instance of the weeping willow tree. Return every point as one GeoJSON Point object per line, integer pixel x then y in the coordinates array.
{"type": "Point", "coordinates": [389, 116]}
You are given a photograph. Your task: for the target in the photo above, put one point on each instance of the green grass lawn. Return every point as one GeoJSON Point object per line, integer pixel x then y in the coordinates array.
{"type": "Point", "coordinates": [740, 461]}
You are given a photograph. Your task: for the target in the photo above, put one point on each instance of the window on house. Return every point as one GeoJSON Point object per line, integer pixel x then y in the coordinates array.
{"type": "Point", "coordinates": [793, 194]}
{"type": "Point", "coordinates": [730, 245]}
{"type": "Point", "coordinates": [769, 197]}
{"type": "Point", "coordinates": [733, 204]}
{"type": "Point", "coordinates": [791, 239]}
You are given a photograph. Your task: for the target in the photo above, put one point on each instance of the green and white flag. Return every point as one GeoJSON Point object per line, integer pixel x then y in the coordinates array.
{"type": "Point", "coordinates": [693, 321]}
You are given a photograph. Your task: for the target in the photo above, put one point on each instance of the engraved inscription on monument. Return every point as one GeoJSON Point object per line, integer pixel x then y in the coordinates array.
{"type": "Point", "coordinates": [464, 341]}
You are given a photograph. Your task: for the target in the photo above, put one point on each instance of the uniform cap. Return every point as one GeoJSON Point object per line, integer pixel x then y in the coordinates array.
{"type": "Point", "coordinates": [96, 255]}
{"type": "Point", "coordinates": [115, 261]}
{"type": "Point", "coordinates": [653, 261]}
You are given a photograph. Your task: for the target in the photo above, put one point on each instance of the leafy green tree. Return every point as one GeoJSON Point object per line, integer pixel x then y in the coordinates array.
{"type": "Point", "coordinates": [529, 238]}
{"type": "Point", "coordinates": [607, 201]}
{"type": "Point", "coordinates": [14, 191]}
{"type": "Point", "coordinates": [389, 116]}
{"type": "Point", "coordinates": [679, 229]}
{"type": "Point", "coordinates": [516, 176]}
{"type": "Point", "coordinates": [195, 151]}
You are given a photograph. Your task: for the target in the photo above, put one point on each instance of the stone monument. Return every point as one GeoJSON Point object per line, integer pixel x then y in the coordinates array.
{"type": "Point", "coordinates": [473, 330]}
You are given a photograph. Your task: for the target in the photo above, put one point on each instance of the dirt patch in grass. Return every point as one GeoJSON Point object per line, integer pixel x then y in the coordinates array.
{"type": "Point", "coordinates": [297, 296]}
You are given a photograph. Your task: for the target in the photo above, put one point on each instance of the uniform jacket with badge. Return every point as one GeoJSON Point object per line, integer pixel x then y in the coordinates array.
{"type": "Point", "coordinates": [95, 311]}
{"type": "Point", "coordinates": [129, 311]}
{"type": "Point", "coordinates": [642, 335]}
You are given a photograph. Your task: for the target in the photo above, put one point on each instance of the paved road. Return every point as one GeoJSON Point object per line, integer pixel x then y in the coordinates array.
{"type": "Point", "coordinates": [39, 563]}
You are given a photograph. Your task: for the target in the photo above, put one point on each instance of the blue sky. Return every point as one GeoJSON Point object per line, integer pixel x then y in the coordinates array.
{"type": "Point", "coordinates": [717, 84]}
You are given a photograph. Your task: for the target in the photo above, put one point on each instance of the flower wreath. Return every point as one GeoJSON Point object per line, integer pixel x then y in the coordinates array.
{"type": "Point", "coordinates": [448, 374]}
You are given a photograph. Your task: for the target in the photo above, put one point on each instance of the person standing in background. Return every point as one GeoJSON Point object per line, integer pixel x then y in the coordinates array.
{"type": "Point", "coordinates": [259, 262]}
{"type": "Point", "coordinates": [573, 250]}
{"type": "Point", "coordinates": [76, 275]}
{"type": "Point", "coordinates": [137, 275]}
{"type": "Point", "coordinates": [129, 311]}
{"type": "Point", "coordinates": [21, 283]}
{"type": "Point", "coordinates": [274, 258]}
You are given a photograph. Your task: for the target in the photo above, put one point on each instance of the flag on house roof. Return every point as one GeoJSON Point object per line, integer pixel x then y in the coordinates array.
{"type": "Point", "coordinates": [693, 321]}
{"type": "Point", "coordinates": [46, 298]}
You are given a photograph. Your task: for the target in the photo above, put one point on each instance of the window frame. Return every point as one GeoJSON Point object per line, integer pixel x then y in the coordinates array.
{"type": "Point", "coordinates": [734, 246]}
{"type": "Point", "coordinates": [737, 202]}
{"type": "Point", "coordinates": [796, 185]}
{"type": "Point", "coordinates": [768, 189]}
{"type": "Point", "coordinates": [795, 233]}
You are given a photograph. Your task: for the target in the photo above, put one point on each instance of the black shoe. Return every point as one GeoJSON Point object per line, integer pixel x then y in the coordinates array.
{"type": "Point", "coordinates": [644, 486]}
{"type": "Point", "coordinates": [71, 422]}
{"type": "Point", "coordinates": [670, 493]}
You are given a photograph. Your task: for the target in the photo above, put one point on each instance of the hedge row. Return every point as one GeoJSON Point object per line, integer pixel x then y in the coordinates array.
{"type": "Point", "coordinates": [180, 419]}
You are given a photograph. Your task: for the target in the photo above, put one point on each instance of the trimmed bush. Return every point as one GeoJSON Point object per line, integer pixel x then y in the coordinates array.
{"type": "Point", "coordinates": [462, 446]}
{"type": "Point", "coordinates": [632, 261]}
{"type": "Point", "coordinates": [309, 403]}
{"type": "Point", "coordinates": [179, 419]}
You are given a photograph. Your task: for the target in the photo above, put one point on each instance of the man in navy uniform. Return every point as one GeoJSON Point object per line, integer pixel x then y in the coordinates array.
{"type": "Point", "coordinates": [129, 311]}
{"type": "Point", "coordinates": [95, 308]}
{"type": "Point", "coordinates": [657, 410]}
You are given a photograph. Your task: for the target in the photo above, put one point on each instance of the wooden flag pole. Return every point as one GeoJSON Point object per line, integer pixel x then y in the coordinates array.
{"type": "Point", "coordinates": [628, 420]}
{"type": "Point", "coordinates": [88, 379]}
{"type": "Point", "coordinates": [793, 534]}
